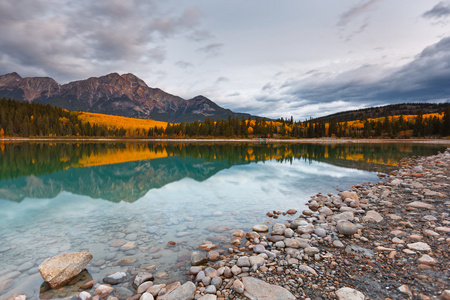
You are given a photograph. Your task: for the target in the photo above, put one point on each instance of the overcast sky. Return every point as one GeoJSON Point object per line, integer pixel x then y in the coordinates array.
{"type": "Point", "coordinates": [270, 58]}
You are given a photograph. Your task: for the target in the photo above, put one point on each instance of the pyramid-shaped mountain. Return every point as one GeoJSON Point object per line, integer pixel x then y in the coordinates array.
{"type": "Point", "coordinates": [122, 95]}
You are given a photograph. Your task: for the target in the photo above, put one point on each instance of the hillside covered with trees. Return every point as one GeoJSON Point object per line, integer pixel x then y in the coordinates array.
{"type": "Point", "coordinates": [22, 119]}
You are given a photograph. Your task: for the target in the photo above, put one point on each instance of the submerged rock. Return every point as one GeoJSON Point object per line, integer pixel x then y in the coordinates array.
{"type": "Point", "coordinates": [59, 270]}
{"type": "Point", "coordinates": [115, 278]}
{"type": "Point", "coordinates": [198, 259]}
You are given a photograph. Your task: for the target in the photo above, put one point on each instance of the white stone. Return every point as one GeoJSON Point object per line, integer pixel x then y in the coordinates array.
{"type": "Point", "coordinates": [347, 293]}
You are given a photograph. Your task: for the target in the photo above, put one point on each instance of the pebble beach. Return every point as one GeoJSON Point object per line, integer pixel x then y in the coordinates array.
{"type": "Point", "coordinates": [384, 240]}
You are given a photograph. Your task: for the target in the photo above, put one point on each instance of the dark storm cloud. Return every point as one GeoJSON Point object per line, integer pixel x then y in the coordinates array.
{"type": "Point", "coordinates": [426, 78]}
{"type": "Point", "coordinates": [76, 38]}
{"type": "Point", "coordinates": [439, 11]}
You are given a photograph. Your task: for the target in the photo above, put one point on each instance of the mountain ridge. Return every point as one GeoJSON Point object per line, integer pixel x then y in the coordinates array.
{"type": "Point", "coordinates": [382, 111]}
{"type": "Point", "coordinates": [124, 95]}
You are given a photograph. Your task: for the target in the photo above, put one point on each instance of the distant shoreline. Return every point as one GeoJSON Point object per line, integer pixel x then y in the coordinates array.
{"type": "Point", "coordinates": [268, 141]}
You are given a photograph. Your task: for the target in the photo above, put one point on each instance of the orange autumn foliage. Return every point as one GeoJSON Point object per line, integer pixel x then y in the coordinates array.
{"type": "Point", "coordinates": [113, 122]}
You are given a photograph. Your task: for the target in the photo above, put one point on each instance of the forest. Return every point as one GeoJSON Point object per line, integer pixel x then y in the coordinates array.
{"type": "Point", "coordinates": [23, 119]}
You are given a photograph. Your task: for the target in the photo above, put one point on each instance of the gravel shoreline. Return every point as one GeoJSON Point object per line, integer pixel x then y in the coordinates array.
{"type": "Point", "coordinates": [388, 240]}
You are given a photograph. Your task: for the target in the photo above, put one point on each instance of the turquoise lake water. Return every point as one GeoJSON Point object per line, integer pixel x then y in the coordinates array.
{"type": "Point", "coordinates": [66, 197]}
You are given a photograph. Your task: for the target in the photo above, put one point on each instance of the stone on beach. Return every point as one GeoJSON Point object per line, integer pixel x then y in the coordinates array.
{"type": "Point", "coordinates": [142, 277]}
{"type": "Point", "coordinates": [347, 293]}
{"type": "Point", "coordinates": [59, 270]}
{"type": "Point", "coordinates": [258, 289]}
{"type": "Point", "coordinates": [146, 296]}
{"type": "Point", "coordinates": [419, 246]}
{"type": "Point", "coordinates": [183, 292]}
{"type": "Point", "coordinates": [420, 204]}
{"type": "Point", "coordinates": [238, 286]}
{"type": "Point", "coordinates": [346, 228]}
{"type": "Point", "coordinates": [278, 229]}
{"type": "Point", "coordinates": [347, 194]}
{"type": "Point", "coordinates": [372, 216]}
{"type": "Point", "coordinates": [427, 260]}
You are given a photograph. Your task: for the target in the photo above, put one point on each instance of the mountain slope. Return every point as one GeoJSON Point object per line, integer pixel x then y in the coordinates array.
{"type": "Point", "coordinates": [382, 111]}
{"type": "Point", "coordinates": [124, 95]}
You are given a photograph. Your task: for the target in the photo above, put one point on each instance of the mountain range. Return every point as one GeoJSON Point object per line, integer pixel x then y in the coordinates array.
{"type": "Point", "coordinates": [123, 95]}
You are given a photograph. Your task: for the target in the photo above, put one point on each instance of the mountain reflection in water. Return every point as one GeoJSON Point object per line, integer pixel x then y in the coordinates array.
{"type": "Point", "coordinates": [121, 171]}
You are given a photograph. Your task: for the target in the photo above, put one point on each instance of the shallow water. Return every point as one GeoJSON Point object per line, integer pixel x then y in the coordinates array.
{"type": "Point", "coordinates": [60, 198]}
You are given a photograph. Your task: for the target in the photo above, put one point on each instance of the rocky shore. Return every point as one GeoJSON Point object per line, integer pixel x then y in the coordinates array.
{"type": "Point", "coordinates": [385, 240]}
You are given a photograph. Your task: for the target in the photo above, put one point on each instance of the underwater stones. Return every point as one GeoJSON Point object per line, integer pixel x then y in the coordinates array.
{"type": "Point", "coordinates": [129, 246]}
{"type": "Point", "coordinates": [260, 228]}
{"type": "Point", "coordinates": [251, 235]}
{"type": "Point", "coordinates": [84, 296]}
{"type": "Point", "coordinates": [115, 278]}
{"type": "Point", "coordinates": [127, 261]}
{"type": "Point", "coordinates": [198, 259]}
{"type": "Point", "coordinates": [59, 270]}
{"type": "Point", "coordinates": [103, 289]}
{"type": "Point", "coordinates": [208, 246]}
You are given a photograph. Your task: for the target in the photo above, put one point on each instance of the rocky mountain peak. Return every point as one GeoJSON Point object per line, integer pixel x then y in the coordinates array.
{"type": "Point", "coordinates": [125, 95]}
{"type": "Point", "coordinates": [133, 79]}
{"type": "Point", "coordinates": [10, 79]}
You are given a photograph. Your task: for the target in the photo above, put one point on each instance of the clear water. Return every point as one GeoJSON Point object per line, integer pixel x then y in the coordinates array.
{"type": "Point", "coordinates": [65, 197]}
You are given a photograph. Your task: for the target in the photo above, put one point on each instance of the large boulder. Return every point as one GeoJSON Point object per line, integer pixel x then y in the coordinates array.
{"type": "Point", "coordinates": [258, 289]}
{"type": "Point", "coordinates": [59, 270]}
{"type": "Point", "coordinates": [183, 292]}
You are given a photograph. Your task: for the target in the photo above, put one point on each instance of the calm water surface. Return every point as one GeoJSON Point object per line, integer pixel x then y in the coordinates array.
{"type": "Point", "coordinates": [65, 197]}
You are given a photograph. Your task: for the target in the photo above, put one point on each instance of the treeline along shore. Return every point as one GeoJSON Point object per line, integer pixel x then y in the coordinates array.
{"type": "Point", "coordinates": [23, 119]}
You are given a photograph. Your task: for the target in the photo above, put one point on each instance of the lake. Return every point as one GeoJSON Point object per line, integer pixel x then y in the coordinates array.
{"type": "Point", "coordinates": [63, 197]}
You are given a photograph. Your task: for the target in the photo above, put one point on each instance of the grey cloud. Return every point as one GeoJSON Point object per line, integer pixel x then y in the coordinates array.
{"type": "Point", "coordinates": [234, 94]}
{"type": "Point", "coordinates": [74, 39]}
{"type": "Point", "coordinates": [201, 35]}
{"type": "Point", "coordinates": [211, 50]}
{"type": "Point", "coordinates": [183, 64]}
{"type": "Point", "coordinates": [439, 11]}
{"type": "Point", "coordinates": [355, 12]}
{"type": "Point", "coordinates": [425, 78]}
{"type": "Point", "coordinates": [222, 79]}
